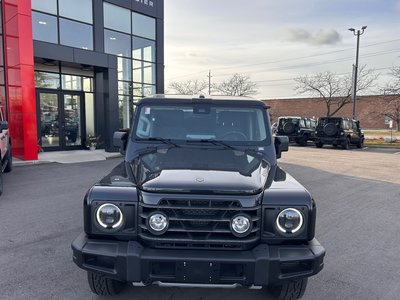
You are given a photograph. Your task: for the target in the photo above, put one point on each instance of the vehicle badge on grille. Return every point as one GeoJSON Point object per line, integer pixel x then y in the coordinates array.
{"type": "Point", "coordinates": [200, 179]}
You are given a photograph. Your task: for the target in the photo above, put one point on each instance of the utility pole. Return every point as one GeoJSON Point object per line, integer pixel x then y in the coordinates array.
{"type": "Point", "coordinates": [209, 82]}
{"type": "Point", "coordinates": [355, 67]}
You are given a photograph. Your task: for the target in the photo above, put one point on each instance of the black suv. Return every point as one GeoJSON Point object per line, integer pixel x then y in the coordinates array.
{"type": "Point", "coordinates": [5, 148]}
{"type": "Point", "coordinates": [338, 131]}
{"type": "Point", "coordinates": [199, 201]}
{"type": "Point", "coordinates": [298, 129]}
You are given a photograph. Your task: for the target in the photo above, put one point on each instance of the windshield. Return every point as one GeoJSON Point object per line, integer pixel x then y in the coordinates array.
{"type": "Point", "coordinates": [285, 120]}
{"type": "Point", "coordinates": [323, 121]}
{"type": "Point", "coordinates": [202, 122]}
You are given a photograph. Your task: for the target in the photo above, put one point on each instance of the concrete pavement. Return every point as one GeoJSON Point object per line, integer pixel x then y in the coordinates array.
{"type": "Point", "coordinates": [68, 157]}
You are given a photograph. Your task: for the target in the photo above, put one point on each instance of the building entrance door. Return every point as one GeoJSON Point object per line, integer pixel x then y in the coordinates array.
{"type": "Point", "coordinates": [61, 121]}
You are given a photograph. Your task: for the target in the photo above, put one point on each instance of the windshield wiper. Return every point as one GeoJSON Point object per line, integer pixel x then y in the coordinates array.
{"type": "Point", "coordinates": [214, 142]}
{"type": "Point", "coordinates": [159, 139]}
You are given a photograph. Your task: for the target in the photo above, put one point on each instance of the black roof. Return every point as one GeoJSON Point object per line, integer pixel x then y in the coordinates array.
{"type": "Point", "coordinates": [180, 99]}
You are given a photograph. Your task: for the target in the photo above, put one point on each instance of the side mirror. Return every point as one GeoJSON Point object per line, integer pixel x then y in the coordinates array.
{"type": "Point", "coordinates": [281, 144]}
{"type": "Point", "coordinates": [120, 140]}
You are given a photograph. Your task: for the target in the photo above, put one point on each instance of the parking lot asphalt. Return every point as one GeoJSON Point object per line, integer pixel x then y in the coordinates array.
{"type": "Point", "coordinates": [357, 222]}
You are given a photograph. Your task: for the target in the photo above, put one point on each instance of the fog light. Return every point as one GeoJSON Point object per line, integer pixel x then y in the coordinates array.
{"type": "Point", "coordinates": [109, 216]}
{"type": "Point", "coordinates": [157, 223]}
{"type": "Point", "coordinates": [241, 225]}
{"type": "Point", "coordinates": [289, 220]}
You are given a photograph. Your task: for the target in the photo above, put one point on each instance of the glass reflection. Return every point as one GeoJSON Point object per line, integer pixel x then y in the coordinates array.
{"type": "Point", "coordinates": [76, 34]}
{"type": "Point", "coordinates": [117, 43]}
{"type": "Point", "coordinates": [72, 120]}
{"type": "Point", "coordinates": [117, 18]}
{"type": "Point", "coordinates": [143, 49]}
{"type": "Point", "coordinates": [143, 26]}
{"type": "Point", "coordinates": [49, 6]}
{"type": "Point", "coordinates": [44, 27]}
{"type": "Point", "coordinates": [124, 69]}
{"type": "Point", "coordinates": [49, 120]}
{"type": "Point", "coordinates": [80, 10]}
{"type": "Point", "coordinates": [47, 80]}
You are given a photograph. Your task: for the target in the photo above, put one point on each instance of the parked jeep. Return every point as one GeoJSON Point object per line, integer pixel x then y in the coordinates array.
{"type": "Point", "coordinates": [5, 148]}
{"type": "Point", "coordinates": [199, 201]}
{"type": "Point", "coordinates": [298, 129]}
{"type": "Point", "coordinates": [338, 131]}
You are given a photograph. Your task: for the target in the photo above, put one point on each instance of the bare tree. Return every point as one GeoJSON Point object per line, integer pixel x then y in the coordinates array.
{"type": "Point", "coordinates": [189, 87]}
{"type": "Point", "coordinates": [391, 109]}
{"type": "Point", "coordinates": [237, 85]}
{"type": "Point", "coordinates": [333, 89]}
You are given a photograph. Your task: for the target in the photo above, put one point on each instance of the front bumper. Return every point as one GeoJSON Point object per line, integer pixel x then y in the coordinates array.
{"type": "Point", "coordinates": [130, 261]}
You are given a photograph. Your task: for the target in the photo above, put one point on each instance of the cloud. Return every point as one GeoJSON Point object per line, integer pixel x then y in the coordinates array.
{"type": "Point", "coordinates": [320, 37]}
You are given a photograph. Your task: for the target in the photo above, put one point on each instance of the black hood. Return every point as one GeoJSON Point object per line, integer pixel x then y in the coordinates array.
{"type": "Point", "coordinates": [217, 171]}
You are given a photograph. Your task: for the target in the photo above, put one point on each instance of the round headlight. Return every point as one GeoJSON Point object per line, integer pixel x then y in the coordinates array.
{"type": "Point", "coordinates": [289, 220]}
{"type": "Point", "coordinates": [109, 216]}
{"type": "Point", "coordinates": [240, 225]}
{"type": "Point", "coordinates": [158, 223]}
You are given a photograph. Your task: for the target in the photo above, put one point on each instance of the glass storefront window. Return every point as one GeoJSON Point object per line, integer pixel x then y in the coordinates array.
{"type": "Point", "coordinates": [143, 90]}
{"type": "Point", "coordinates": [71, 82]}
{"type": "Point", "coordinates": [124, 69]}
{"type": "Point", "coordinates": [125, 111]}
{"type": "Point", "coordinates": [44, 27]}
{"type": "Point", "coordinates": [143, 49]}
{"type": "Point", "coordinates": [80, 10]}
{"type": "Point", "coordinates": [143, 26]}
{"type": "Point", "coordinates": [47, 80]}
{"type": "Point", "coordinates": [117, 18]}
{"type": "Point", "coordinates": [49, 6]}
{"type": "Point", "coordinates": [144, 72]}
{"type": "Point", "coordinates": [124, 87]}
{"type": "Point", "coordinates": [76, 34]}
{"type": "Point", "coordinates": [87, 84]}
{"type": "Point", "coordinates": [117, 43]}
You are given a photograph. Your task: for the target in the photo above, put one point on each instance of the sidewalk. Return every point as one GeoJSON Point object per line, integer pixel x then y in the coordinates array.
{"type": "Point", "coordinates": [68, 157]}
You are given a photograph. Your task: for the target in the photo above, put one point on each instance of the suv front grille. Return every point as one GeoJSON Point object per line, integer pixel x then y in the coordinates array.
{"type": "Point", "coordinates": [200, 224]}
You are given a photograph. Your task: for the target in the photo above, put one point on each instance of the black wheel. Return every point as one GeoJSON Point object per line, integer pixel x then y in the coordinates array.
{"type": "Point", "coordinates": [330, 129]}
{"type": "Point", "coordinates": [346, 144]}
{"type": "Point", "coordinates": [8, 158]}
{"type": "Point", "coordinates": [103, 286]}
{"type": "Point", "coordinates": [303, 141]}
{"type": "Point", "coordinates": [288, 290]}
{"type": "Point", "coordinates": [360, 144]}
{"type": "Point", "coordinates": [334, 145]}
{"type": "Point", "coordinates": [288, 128]}
{"type": "Point", "coordinates": [318, 144]}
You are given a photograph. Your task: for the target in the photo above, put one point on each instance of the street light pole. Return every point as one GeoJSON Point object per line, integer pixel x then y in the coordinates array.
{"type": "Point", "coordinates": [355, 67]}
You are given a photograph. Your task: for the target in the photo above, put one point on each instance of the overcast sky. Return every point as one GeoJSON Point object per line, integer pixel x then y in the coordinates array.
{"type": "Point", "coordinates": [274, 41]}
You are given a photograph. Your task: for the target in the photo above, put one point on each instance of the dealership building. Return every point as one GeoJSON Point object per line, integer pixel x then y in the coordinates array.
{"type": "Point", "coordinates": [73, 69]}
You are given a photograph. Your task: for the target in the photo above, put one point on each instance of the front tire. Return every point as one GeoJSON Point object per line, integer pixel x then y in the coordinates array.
{"type": "Point", "coordinates": [103, 286]}
{"type": "Point", "coordinates": [8, 160]}
{"type": "Point", "coordinates": [288, 290]}
{"type": "Point", "coordinates": [346, 144]}
{"type": "Point", "coordinates": [360, 144]}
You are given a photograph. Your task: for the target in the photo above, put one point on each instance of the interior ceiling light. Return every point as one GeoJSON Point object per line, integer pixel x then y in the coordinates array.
{"type": "Point", "coordinates": [113, 38]}
{"type": "Point", "coordinates": [42, 22]}
{"type": "Point", "coordinates": [49, 62]}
